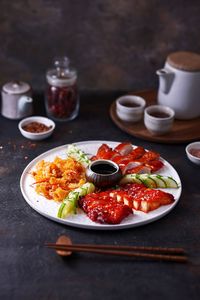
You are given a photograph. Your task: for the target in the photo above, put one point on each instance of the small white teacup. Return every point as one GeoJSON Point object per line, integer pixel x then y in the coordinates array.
{"type": "Point", "coordinates": [130, 108]}
{"type": "Point", "coordinates": [158, 119]}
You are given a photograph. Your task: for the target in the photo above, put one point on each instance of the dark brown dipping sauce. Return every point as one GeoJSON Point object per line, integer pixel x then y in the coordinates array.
{"type": "Point", "coordinates": [159, 114]}
{"type": "Point", "coordinates": [36, 127]}
{"type": "Point", "coordinates": [130, 104]}
{"type": "Point", "coordinates": [103, 169]}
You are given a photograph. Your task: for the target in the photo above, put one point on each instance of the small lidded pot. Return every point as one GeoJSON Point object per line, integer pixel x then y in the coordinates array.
{"type": "Point", "coordinates": [62, 99]}
{"type": "Point", "coordinates": [103, 173]}
{"type": "Point", "coordinates": [16, 100]}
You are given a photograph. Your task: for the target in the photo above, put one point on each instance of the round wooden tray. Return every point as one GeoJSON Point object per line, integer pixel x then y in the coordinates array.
{"type": "Point", "coordinates": [182, 131]}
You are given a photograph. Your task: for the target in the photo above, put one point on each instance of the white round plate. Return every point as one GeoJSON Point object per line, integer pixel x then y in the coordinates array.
{"type": "Point", "coordinates": [49, 208]}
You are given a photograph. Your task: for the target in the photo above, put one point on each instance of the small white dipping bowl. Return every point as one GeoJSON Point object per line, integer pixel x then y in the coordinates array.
{"type": "Point", "coordinates": [158, 119]}
{"type": "Point", "coordinates": [191, 151]}
{"type": "Point", "coordinates": [130, 108]}
{"type": "Point", "coordinates": [36, 136]}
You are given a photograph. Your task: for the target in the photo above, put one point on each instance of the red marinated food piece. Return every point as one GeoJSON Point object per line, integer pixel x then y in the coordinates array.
{"type": "Point", "coordinates": [104, 152]}
{"type": "Point", "coordinates": [146, 199]}
{"type": "Point", "coordinates": [137, 152]}
{"type": "Point", "coordinates": [130, 160]}
{"type": "Point", "coordinates": [139, 169]}
{"type": "Point", "coordinates": [121, 197]}
{"type": "Point", "coordinates": [124, 148]}
{"type": "Point", "coordinates": [149, 156]}
{"type": "Point", "coordinates": [112, 206]}
{"type": "Point", "coordinates": [132, 188]}
{"type": "Point", "coordinates": [154, 165]}
{"type": "Point", "coordinates": [102, 208]}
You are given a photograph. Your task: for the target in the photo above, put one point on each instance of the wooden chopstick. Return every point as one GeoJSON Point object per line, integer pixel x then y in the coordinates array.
{"type": "Point", "coordinates": [154, 256]}
{"type": "Point", "coordinates": [165, 250]}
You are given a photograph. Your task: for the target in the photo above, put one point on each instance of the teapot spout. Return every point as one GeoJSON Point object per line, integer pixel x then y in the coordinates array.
{"type": "Point", "coordinates": [25, 106]}
{"type": "Point", "coordinates": [166, 78]}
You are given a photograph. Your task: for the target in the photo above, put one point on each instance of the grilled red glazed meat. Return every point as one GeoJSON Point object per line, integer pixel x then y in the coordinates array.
{"type": "Point", "coordinates": [130, 159]}
{"type": "Point", "coordinates": [113, 206]}
{"type": "Point", "coordinates": [146, 199]}
{"type": "Point", "coordinates": [102, 208]}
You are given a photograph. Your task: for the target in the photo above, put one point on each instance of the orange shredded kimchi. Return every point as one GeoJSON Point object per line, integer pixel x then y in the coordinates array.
{"type": "Point", "coordinates": [54, 180]}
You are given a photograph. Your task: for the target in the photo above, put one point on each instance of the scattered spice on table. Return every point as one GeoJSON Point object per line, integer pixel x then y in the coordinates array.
{"type": "Point", "coordinates": [32, 145]}
{"type": "Point", "coordinates": [22, 147]}
{"type": "Point", "coordinates": [36, 127]}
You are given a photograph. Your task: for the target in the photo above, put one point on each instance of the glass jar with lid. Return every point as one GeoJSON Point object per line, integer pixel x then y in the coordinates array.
{"type": "Point", "coordinates": [62, 99]}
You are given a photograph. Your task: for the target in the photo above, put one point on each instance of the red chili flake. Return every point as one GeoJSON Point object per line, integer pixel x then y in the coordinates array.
{"type": "Point", "coordinates": [36, 127]}
{"type": "Point", "coordinates": [32, 145]}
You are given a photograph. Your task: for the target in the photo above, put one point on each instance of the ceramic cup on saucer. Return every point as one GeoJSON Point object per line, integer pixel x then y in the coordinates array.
{"type": "Point", "coordinates": [130, 108]}
{"type": "Point", "coordinates": [158, 119]}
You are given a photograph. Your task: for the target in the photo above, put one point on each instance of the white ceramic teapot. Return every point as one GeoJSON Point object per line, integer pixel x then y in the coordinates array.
{"type": "Point", "coordinates": [16, 100]}
{"type": "Point", "coordinates": [179, 84]}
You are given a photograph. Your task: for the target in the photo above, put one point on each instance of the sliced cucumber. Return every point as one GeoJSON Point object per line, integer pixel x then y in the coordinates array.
{"type": "Point", "coordinates": [139, 178]}
{"type": "Point", "coordinates": [130, 178]}
{"type": "Point", "coordinates": [65, 209]}
{"type": "Point", "coordinates": [78, 155]}
{"type": "Point", "coordinates": [150, 180]}
{"type": "Point", "coordinates": [171, 182]}
{"type": "Point", "coordinates": [159, 180]}
{"type": "Point", "coordinates": [69, 205]}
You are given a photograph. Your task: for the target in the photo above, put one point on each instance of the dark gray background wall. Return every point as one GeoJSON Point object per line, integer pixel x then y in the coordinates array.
{"type": "Point", "coordinates": [114, 44]}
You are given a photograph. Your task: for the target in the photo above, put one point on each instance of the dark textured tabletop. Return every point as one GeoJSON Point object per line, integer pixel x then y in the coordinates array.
{"type": "Point", "coordinates": [28, 270]}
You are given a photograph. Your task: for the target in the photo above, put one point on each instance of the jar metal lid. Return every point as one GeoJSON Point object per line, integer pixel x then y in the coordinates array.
{"type": "Point", "coordinates": [67, 79]}
{"type": "Point", "coordinates": [16, 87]}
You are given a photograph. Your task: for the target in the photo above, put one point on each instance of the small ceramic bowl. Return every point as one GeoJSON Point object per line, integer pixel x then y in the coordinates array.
{"type": "Point", "coordinates": [36, 136]}
{"type": "Point", "coordinates": [193, 152]}
{"type": "Point", "coordinates": [130, 108]}
{"type": "Point", "coordinates": [158, 119]}
{"type": "Point", "coordinates": [103, 173]}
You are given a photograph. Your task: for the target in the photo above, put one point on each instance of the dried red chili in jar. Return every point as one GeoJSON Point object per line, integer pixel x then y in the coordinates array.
{"type": "Point", "coordinates": [36, 127]}
{"type": "Point", "coordinates": [62, 99]}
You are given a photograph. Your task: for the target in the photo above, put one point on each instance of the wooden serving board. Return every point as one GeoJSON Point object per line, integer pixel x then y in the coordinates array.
{"type": "Point", "coordinates": [182, 131]}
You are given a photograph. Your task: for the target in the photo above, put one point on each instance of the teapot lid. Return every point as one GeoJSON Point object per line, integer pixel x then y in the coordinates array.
{"type": "Point", "coordinates": [16, 87]}
{"type": "Point", "coordinates": [184, 60]}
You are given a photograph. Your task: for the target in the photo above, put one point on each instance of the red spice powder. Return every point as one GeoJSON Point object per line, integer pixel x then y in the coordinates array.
{"type": "Point", "coordinates": [36, 127]}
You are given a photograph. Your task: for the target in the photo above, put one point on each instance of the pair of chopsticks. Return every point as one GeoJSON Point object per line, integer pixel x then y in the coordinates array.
{"type": "Point", "coordinates": [151, 253]}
